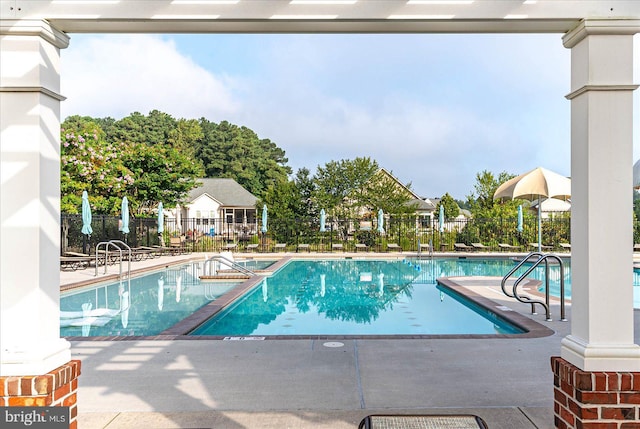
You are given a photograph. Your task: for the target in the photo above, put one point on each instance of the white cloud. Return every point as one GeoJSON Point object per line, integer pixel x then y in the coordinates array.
{"type": "Point", "coordinates": [117, 75]}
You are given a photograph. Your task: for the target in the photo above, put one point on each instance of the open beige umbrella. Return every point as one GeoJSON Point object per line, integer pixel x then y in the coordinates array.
{"type": "Point", "coordinates": [534, 185]}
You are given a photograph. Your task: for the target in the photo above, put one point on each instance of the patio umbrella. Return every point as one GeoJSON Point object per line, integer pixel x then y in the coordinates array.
{"type": "Point", "coordinates": [264, 219]}
{"type": "Point", "coordinates": [178, 218]}
{"type": "Point", "coordinates": [520, 227]}
{"type": "Point", "coordinates": [535, 185]}
{"type": "Point", "coordinates": [380, 221]}
{"type": "Point", "coordinates": [323, 216]}
{"type": "Point", "coordinates": [86, 220]}
{"type": "Point", "coordinates": [441, 219]}
{"type": "Point", "coordinates": [160, 219]}
{"type": "Point", "coordinates": [124, 227]}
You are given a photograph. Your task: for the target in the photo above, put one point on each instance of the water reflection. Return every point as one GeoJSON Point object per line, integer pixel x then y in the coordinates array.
{"type": "Point", "coordinates": [146, 305]}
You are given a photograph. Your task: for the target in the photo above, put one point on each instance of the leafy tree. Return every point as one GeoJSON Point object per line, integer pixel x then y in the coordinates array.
{"type": "Point", "coordinates": [90, 163]}
{"type": "Point", "coordinates": [227, 150]}
{"type": "Point", "coordinates": [340, 185]}
{"type": "Point", "coordinates": [383, 192]}
{"type": "Point", "coordinates": [481, 201]}
{"type": "Point", "coordinates": [161, 173]}
{"type": "Point", "coordinates": [138, 128]}
{"type": "Point", "coordinates": [451, 209]}
{"type": "Point", "coordinates": [109, 170]}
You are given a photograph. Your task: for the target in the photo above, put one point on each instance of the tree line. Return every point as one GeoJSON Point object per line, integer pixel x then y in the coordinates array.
{"type": "Point", "coordinates": [155, 157]}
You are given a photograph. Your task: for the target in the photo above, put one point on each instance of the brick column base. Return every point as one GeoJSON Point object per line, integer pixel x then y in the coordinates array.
{"type": "Point", "coordinates": [594, 400]}
{"type": "Point", "coordinates": [55, 389]}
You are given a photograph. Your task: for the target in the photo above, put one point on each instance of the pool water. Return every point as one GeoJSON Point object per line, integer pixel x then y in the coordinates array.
{"type": "Point", "coordinates": [355, 297]}
{"type": "Point", "coordinates": [145, 305]}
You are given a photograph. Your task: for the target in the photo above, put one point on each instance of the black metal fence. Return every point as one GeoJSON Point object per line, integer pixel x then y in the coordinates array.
{"type": "Point", "coordinates": [407, 232]}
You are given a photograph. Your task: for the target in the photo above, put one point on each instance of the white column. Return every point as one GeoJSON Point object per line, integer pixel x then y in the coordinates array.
{"type": "Point", "coordinates": [30, 342]}
{"type": "Point", "coordinates": [601, 211]}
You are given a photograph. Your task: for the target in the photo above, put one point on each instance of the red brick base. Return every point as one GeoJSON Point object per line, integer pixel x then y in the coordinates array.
{"type": "Point", "coordinates": [56, 388]}
{"type": "Point", "coordinates": [594, 400]}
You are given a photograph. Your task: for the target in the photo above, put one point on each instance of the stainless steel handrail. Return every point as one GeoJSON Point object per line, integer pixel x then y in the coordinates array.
{"type": "Point", "coordinates": [542, 257]}
{"type": "Point", "coordinates": [228, 262]}
{"type": "Point", "coordinates": [116, 244]}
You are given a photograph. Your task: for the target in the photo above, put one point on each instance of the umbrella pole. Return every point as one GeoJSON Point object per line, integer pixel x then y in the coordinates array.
{"type": "Point", "coordinates": [539, 225]}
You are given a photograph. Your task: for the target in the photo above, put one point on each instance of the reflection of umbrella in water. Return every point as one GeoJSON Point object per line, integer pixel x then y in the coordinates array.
{"type": "Point", "coordinates": [265, 290]}
{"type": "Point", "coordinates": [323, 286]}
{"type": "Point", "coordinates": [160, 293]}
{"type": "Point", "coordinates": [160, 219]}
{"type": "Point", "coordinates": [124, 308]}
{"type": "Point", "coordinates": [380, 221]}
{"type": "Point", "coordinates": [535, 184]}
{"type": "Point", "coordinates": [178, 287]}
{"type": "Point", "coordinates": [86, 313]}
{"type": "Point", "coordinates": [323, 217]}
{"type": "Point", "coordinates": [124, 224]}
{"type": "Point", "coordinates": [264, 219]}
{"type": "Point", "coordinates": [380, 284]}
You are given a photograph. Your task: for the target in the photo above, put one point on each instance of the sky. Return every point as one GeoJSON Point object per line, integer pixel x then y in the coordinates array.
{"type": "Point", "coordinates": [434, 110]}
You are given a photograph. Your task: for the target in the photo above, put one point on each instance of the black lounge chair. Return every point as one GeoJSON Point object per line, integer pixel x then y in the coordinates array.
{"type": "Point", "coordinates": [304, 246]}
{"type": "Point", "coordinates": [394, 247]}
{"type": "Point", "coordinates": [337, 246]}
{"type": "Point", "coordinates": [280, 246]}
{"type": "Point", "coordinates": [480, 246]}
{"type": "Point", "coordinates": [361, 246]}
{"type": "Point", "coordinates": [251, 247]}
{"type": "Point", "coordinates": [505, 246]}
{"type": "Point", "coordinates": [462, 246]}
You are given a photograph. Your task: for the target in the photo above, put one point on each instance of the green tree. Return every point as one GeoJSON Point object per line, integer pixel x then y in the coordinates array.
{"type": "Point", "coordinates": [227, 150]}
{"type": "Point", "coordinates": [451, 209]}
{"type": "Point", "coordinates": [340, 185]}
{"type": "Point", "coordinates": [481, 202]}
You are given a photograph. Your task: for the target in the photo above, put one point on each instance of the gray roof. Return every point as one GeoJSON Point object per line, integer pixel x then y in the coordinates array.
{"type": "Point", "coordinates": [422, 205]}
{"type": "Point", "coordinates": [226, 191]}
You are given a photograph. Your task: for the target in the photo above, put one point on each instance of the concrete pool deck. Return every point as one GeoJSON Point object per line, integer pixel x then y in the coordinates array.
{"type": "Point", "coordinates": [312, 383]}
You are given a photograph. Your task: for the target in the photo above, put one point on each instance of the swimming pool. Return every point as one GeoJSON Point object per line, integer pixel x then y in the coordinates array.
{"type": "Point", "coordinates": [358, 297]}
{"type": "Point", "coordinates": [145, 305]}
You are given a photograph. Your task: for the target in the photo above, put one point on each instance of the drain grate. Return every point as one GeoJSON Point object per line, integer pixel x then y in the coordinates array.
{"type": "Point", "coordinates": [423, 422]}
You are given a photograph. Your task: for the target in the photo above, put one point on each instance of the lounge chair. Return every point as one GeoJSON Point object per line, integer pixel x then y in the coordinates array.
{"type": "Point", "coordinates": [252, 247]}
{"type": "Point", "coordinates": [565, 246]}
{"type": "Point", "coordinates": [505, 246]}
{"type": "Point", "coordinates": [394, 247]}
{"type": "Point", "coordinates": [462, 246]}
{"type": "Point", "coordinates": [229, 246]}
{"type": "Point", "coordinates": [425, 247]}
{"type": "Point", "coordinates": [337, 246]}
{"type": "Point", "coordinates": [543, 246]}
{"type": "Point", "coordinates": [280, 246]}
{"type": "Point", "coordinates": [361, 246]}
{"type": "Point", "coordinates": [73, 263]}
{"type": "Point", "coordinates": [480, 246]}
{"type": "Point", "coordinates": [304, 246]}
{"type": "Point", "coordinates": [176, 246]}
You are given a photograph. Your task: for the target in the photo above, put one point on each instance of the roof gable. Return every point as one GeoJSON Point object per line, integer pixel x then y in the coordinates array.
{"type": "Point", "coordinates": [227, 192]}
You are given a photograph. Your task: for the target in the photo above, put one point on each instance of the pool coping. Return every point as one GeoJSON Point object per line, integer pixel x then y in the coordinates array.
{"type": "Point", "coordinates": [180, 331]}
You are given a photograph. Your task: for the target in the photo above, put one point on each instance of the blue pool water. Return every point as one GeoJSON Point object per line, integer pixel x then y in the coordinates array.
{"type": "Point", "coordinates": [356, 297]}
{"type": "Point", "coordinates": [146, 305]}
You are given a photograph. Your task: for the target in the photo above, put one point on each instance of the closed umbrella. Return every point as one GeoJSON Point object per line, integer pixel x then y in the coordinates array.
{"type": "Point", "coordinates": [124, 226]}
{"type": "Point", "coordinates": [160, 219]}
{"type": "Point", "coordinates": [323, 217]}
{"type": "Point", "coordinates": [441, 219]}
{"type": "Point", "coordinates": [264, 219]}
{"type": "Point", "coordinates": [535, 185]}
{"type": "Point", "coordinates": [86, 220]}
{"type": "Point", "coordinates": [380, 221]}
{"type": "Point", "coordinates": [520, 227]}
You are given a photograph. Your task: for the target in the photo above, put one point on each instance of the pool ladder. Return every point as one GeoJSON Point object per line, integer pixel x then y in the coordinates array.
{"type": "Point", "coordinates": [221, 260]}
{"type": "Point", "coordinates": [538, 258]}
{"type": "Point", "coordinates": [119, 246]}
